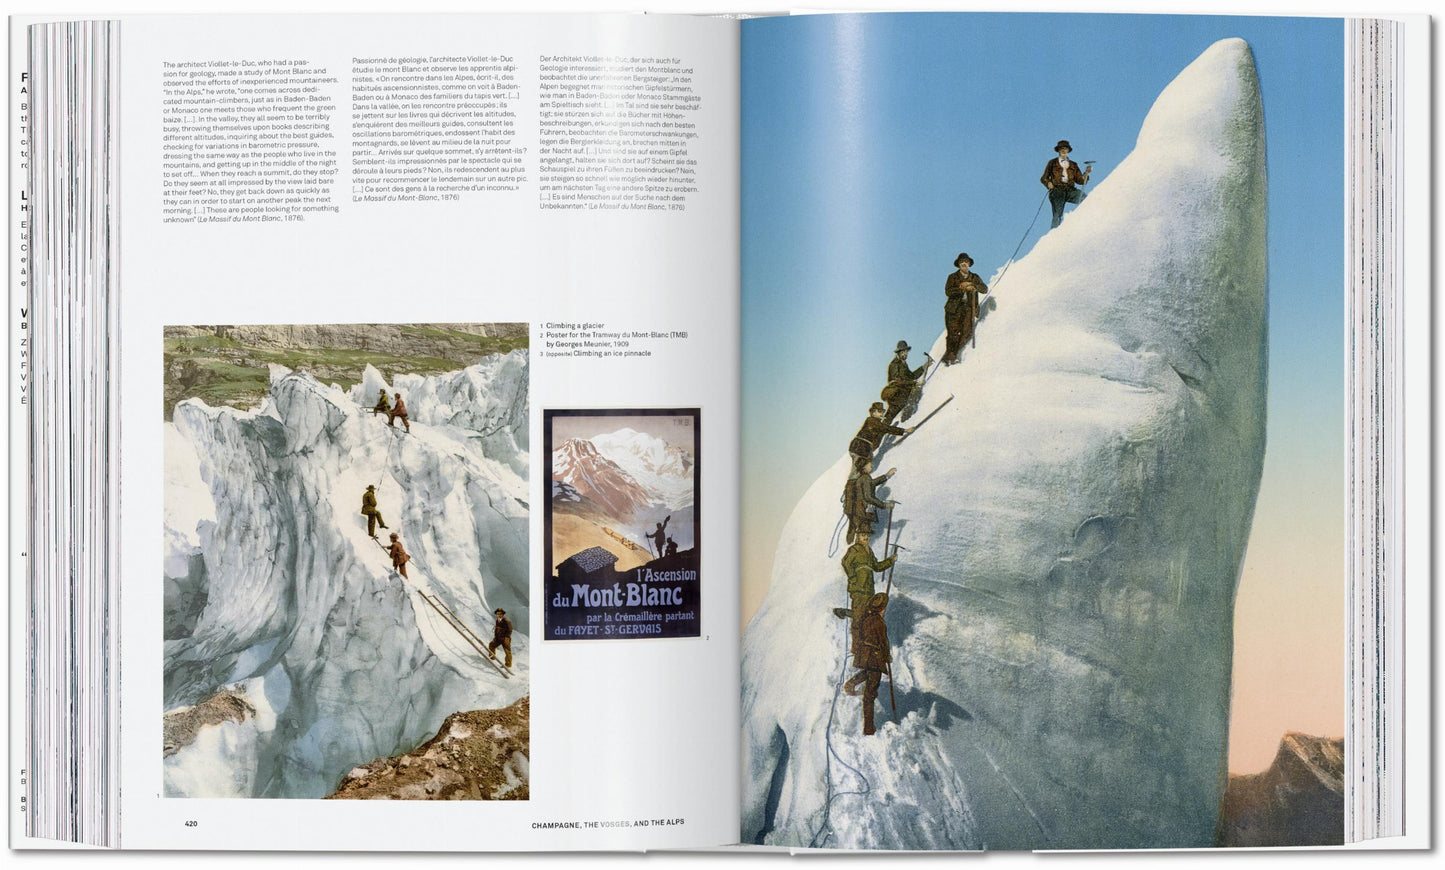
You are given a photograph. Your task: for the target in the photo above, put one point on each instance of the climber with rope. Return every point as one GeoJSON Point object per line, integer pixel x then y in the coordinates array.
{"type": "Point", "coordinates": [399, 555]}
{"type": "Point", "coordinates": [960, 310]}
{"type": "Point", "coordinates": [904, 384]}
{"type": "Point", "coordinates": [369, 510]}
{"type": "Point", "coordinates": [383, 404]}
{"type": "Point", "coordinates": [399, 410]}
{"type": "Point", "coordinates": [859, 496]}
{"type": "Point", "coordinates": [872, 432]}
{"type": "Point", "coordinates": [872, 657]}
{"type": "Point", "coordinates": [860, 565]}
{"type": "Point", "coordinates": [1063, 180]}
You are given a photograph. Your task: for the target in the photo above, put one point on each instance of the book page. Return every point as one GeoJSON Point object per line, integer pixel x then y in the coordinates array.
{"type": "Point", "coordinates": [362, 259]}
{"type": "Point", "coordinates": [1049, 547]}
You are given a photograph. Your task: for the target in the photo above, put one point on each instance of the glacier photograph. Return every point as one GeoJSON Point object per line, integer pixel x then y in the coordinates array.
{"type": "Point", "coordinates": [346, 550]}
{"type": "Point", "coordinates": [1042, 472]}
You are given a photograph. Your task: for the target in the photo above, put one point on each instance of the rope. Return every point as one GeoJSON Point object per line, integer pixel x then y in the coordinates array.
{"type": "Point", "coordinates": [833, 542]}
{"type": "Point", "coordinates": [833, 753]}
{"type": "Point", "coordinates": [381, 478]}
{"type": "Point", "coordinates": [1020, 245]}
{"type": "Point", "coordinates": [437, 590]}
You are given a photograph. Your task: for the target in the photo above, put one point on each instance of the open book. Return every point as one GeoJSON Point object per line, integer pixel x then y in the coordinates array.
{"type": "Point", "coordinates": [912, 431]}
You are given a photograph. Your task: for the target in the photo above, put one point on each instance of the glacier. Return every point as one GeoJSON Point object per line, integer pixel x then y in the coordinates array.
{"type": "Point", "coordinates": [1075, 523]}
{"type": "Point", "coordinates": [276, 595]}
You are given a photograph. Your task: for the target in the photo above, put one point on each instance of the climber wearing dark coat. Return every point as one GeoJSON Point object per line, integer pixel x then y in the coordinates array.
{"type": "Point", "coordinates": [659, 537]}
{"type": "Point", "coordinates": [501, 636]}
{"type": "Point", "coordinates": [872, 432]}
{"type": "Point", "coordinates": [960, 310]}
{"type": "Point", "coordinates": [903, 387]}
{"type": "Point", "coordinates": [859, 496]}
{"type": "Point", "coordinates": [871, 656]}
{"type": "Point", "coordinates": [1063, 179]}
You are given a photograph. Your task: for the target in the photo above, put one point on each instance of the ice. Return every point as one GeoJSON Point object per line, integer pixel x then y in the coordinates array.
{"type": "Point", "coordinates": [1075, 519]}
{"type": "Point", "coordinates": [357, 664]}
{"type": "Point", "coordinates": [665, 471]}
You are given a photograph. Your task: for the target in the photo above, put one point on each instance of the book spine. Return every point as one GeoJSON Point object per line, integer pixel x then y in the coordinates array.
{"type": "Point", "coordinates": [71, 602]}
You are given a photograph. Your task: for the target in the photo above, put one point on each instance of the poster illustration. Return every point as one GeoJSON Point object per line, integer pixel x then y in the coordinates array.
{"type": "Point", "coordinates": [622, 524]}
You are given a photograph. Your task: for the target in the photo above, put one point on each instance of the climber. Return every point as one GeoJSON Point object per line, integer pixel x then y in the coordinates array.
{"type": "Point", "coordinates": [671, 546]}
{"type": "Point", "coordinates": [1063, 179]}
{"type": "Point", "coordinates": [872, 657]}
{"type": "Point", "coordinates": [659, 537]}
{"type": "Point", "coordinates": [399, 555]}
{"type": "Point", "coordinates": [398, 411]}
{"type": "Point", "coordinates": [858, 496]}
{"type": "Point", "coordinates": [871, 433]}
{"type": "Point", "coordinates": [903, 387]}
{"type": "Point", "coordinates": [960, 310]}
{"type": "Point", "coordinates": [859, 565]}
{"type": "Point", "coordinates": [368, 510]}
{"type": "Point", "coordinates": [501, 637]}
{"type": "Point", "coordinates": [383, 404]}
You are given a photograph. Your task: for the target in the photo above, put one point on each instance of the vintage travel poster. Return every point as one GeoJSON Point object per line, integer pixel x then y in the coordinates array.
{"type": "Point", "coordinates": [622, 524]}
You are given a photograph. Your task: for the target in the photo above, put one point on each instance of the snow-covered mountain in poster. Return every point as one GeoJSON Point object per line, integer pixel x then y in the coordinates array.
{"type": "Point", "coordinates": [636, 480]}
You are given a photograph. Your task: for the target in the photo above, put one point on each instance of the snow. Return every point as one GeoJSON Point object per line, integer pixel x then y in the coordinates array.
{"type": "Point", "coordinates": [1075, 519]}
{"type": "Point", "coordinates": [356, 663]}
{"type": "Point", "coordinates": [221, 761]}
{"type": "Point", "coordinates": [664, 470]}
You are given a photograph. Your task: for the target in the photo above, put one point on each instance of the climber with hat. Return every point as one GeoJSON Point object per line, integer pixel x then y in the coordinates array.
{"type": "Point", "coordinates": [871, 656]}
{"type": "Point", "coordinates": [501, 637]}
{"type": "Point", "coordinates": [1063, 178]}
{"type": "Point", "coordinates": [903, 387]}
{"type": "Point", "coordinates": [368, 510]}
{"type": "Point", "coordinates": [383, 404]}
{"type": "Point", "coordinates": [872, 432]}
{"type": "Point", "coordinates": [960, 309]}
{"type": "Point", "coordinates": [399, 555]}
{"type": "Point", "coordinates": [860, 496]}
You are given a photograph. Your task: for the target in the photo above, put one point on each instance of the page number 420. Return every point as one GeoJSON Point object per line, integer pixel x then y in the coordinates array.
{"type": "Point", "coordinates": [192, 823]}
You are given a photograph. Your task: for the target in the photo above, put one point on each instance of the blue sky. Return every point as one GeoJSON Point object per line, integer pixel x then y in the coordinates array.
{"type": "Point", "coordinates": [875, 148]}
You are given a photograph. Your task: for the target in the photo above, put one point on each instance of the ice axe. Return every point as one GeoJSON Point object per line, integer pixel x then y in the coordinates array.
{"type": "Point", "coordinates": [920, 423]}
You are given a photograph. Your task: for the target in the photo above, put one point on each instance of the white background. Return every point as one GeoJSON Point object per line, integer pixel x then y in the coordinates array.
{"type": "Point", "coordinates": [1418, 397]}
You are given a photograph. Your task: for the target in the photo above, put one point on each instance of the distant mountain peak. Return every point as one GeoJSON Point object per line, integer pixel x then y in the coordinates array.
{"type": "Point", "coordinates": [577, 463]}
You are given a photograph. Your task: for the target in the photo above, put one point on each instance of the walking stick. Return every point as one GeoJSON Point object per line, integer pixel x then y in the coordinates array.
{"type": "Point", "coordinates": [888, 533]}
{"type": "Point", "coordinates": [888, 667]}
{"type": "Point", "coordinates": [892, 699]}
